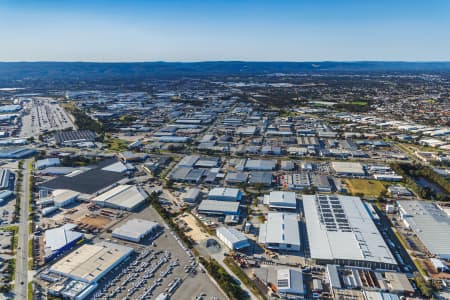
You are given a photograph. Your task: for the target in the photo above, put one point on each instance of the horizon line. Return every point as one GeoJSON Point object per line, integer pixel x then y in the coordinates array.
{"type": "Point", "coordinates": [226, 61]}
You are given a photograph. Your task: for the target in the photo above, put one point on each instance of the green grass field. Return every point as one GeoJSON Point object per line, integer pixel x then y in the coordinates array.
{"type": "Point", "coordinates": [369, 188]}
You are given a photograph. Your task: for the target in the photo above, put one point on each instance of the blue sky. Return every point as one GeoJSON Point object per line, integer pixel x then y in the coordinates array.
{"type": "Point", "coordinates": [255, 30]}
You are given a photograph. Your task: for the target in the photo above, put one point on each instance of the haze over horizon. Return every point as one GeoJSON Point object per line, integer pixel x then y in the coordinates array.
{"type": "Point", "coordinates": [187, 31]}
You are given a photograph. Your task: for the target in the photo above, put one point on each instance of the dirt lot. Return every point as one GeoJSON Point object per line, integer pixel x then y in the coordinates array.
{"type": "Point", "coordinates": [79, 213]}
{"type": "Point", "coordinates": [98, 221]}
{"type": "Point", "coordinates": [197, 233]}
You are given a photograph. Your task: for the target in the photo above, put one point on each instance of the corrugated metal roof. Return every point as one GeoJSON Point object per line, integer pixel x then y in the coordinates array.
{"type": "Point", "coordinates": [57, 238]}
{"type": "Point", "coordinates": [280, 228]}
{"type": "Point", "coordinates": [430, 223]}
{"type": "Point", "coordinates": [339, 227]}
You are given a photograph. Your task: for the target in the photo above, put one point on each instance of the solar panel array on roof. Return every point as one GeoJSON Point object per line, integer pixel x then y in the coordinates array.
{"type": "Point", "coordinates": [74, 136]}
{"type": "Point", "coordinates": [87, 182]}
{"type": "Point", "coordinates": [340, 228]}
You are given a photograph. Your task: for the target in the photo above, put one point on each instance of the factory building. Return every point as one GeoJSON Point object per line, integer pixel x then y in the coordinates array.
{"type": "Point", "coordinates": [341, 231]}
{"type": "Point", "coordinates": [58, 240]}
{"type": "Point", "coordinates": [321, 183]}
{"type": "Point", "coordinates": [280, 232]}
{"type": "Point", "coordinates": [260, 165]}
{"type": "Point", "coordinates": [5, 179]}
{"type": "Point", "coordinates": [281, 200]}
{"type": "Point", "coordinates": [290, 282]}
{"type": "Point", "coordinates": [192, 195]}
{"type": "Point", "coordinates": [47, 162]}
{"type": "Point", "coordinates": [225, 194]}
{"type": "Point", "coordinates": [126, 197]}
{"type": "Point", "coordinates": [135, 230]}
{"type": "Point", "coordinates": [431, 224]}
{"type": "Point", "coordinates": [90, 263]}
{"type": "Point", "coordinates": [352, 169]}
{"type": "Point", "coordinates": [233, 238]}
{"type": "Point", "coordinates": [217, 207]}
{"type": "Point", "coordinates": [296, 181]}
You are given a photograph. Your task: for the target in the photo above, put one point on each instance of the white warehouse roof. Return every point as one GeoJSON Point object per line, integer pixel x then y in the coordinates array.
{"type": "Point", "coordinates": [341, 167]}
{"type": "Point", "coordinates": [430, 223]}
{"type": "Point", "coordinates": [280, 229]}
{"type": "Point", "coordinates": [57, 238]}
{"type": "Point", "coordinates": [290, 281]}
{"type": "Point", "coordinates": [122, 196]}
{"type": "Point", "coordinates": [135, 229]}
{"type": "Point", "coordinates": [90, 263]}
{"type": "Point", "coordinates": [232, 237]}
{"type": "Point", "coordinates": [341, 230]}
{"type": "Point", "coordinates": [281, 199]}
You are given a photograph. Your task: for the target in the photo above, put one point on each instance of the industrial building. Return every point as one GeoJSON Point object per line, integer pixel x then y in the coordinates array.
{"type": "Point", "coordinates": [261, 177]}
{"type": "Point", "coordinates": [290, 282]}
{"type": "Point", "coordinates": [58, 240]}
{"type": "Point", "coordinates": [135, 230]}
{"type": "Point", "coordinates": [217, 207]}
{"type": "Point", "coordinates": [192, 195]}
{"type": "Point", "coordinates": [187, 174]}
{"type": "Point", "coordinates": [47, 162]}
{"type": "Point", "coordinates": [233, 238]}
{"type": "Point", "coordinates": [321, 183]}
{"type": "Point", "coordinates": [104, 174]}
{"type": "Point", "coordinates": [225, 194]}
{"type": "Point", "coordinates": [236, 177]}
{"type": "Point", "coordinates": [352, 169]}
{"type": "Point", "coordinates": [5, 196]}
{"type": "Point", "coordinates": [341, 231]}
{"type": "Point", "coordinates": [431, 224]}
{"type": "Point", "coordinates": [59, 198]}
{"type": "Point", "coordinates": [260, 165]}
{"type": "Point", "coordinates": [126, 197]}
{"type": "Point", "coordinates": [90, 263]}
{"type": "Point", "coordinates": [188, 161]}
{"type": "Point", "coordinates": [296, 181]}
{"type": "Point", "coordinates": [71, 138]}
{"type": "Point", "coordinates": [399, 190]}
{"type": "Point", "coordinates": [281, 200]}
{"type": "Point", "coordinates": [5, 179]}
{"type": "Point", "coordinates": [351, 278]}
{"type": "Point", "coordinates": [280, 232]}
{"type": "Point", "coordinates": [16, 153]}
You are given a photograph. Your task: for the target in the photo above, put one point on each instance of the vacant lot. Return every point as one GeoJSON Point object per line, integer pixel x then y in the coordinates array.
{"type": "Point", "coordinates": [97, 221]}
{"type": "Point", "coordinates": [369, 188]}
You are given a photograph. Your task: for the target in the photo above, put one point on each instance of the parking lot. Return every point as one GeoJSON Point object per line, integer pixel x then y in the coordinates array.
{"type": "Point", "coordinates": [45, 115]}
{"type": "Point", "coordinates": [161, 264]}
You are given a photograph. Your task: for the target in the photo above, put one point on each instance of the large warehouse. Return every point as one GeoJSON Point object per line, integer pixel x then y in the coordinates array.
{"type": "Point", "coordinates": [5, 179]}
{"type": "Point", "coordinates": [90, 263]}
{"type": "Point", "coordinates": [344, 168]}
{"type": "Point", "coordinates": [89, 182]}
{"type": "Point", "coordinates": [216, 207]}
{"type": "Point", "coordinates": [225, 194]}
{"type": "Point", "coordinates": [341, 231]}
{"type": "Point", "coordinates": [135, 230]}
{"type": "Point", "coordinates": [233, 238]}
{"type": "Point", "coordinates": [430, 223]}
{"type": "Point", "coordinates": [280, 232]}
{"type": "Point", "coordinates": [126, 197]}
{"type": "Point", "coordinates": [60, 239]}
{"type": "Point", "coordinates": [281, 200]}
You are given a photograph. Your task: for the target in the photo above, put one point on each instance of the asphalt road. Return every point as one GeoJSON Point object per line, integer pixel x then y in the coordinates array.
{"type": "Point", "coordinates": [21, 280]}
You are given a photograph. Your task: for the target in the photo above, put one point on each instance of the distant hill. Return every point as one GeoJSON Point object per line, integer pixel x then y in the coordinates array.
{"type": "Point", "coordinates": [87, 70]}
